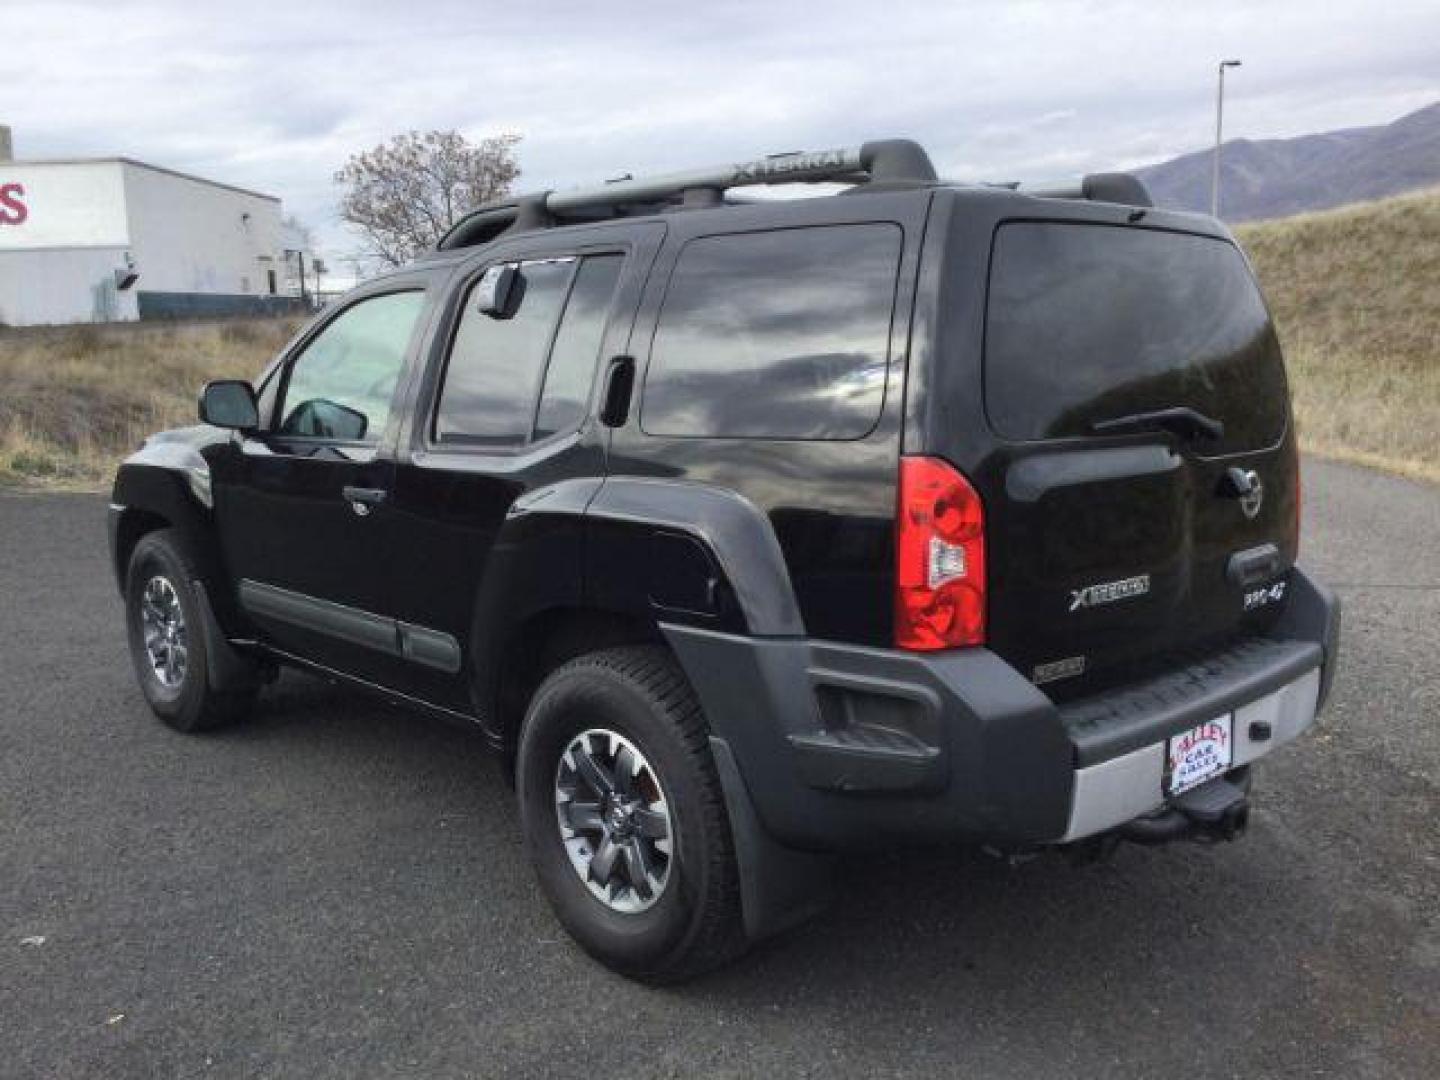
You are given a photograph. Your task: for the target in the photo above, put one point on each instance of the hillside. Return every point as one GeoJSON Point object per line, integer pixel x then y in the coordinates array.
{"type": "Point", "coordinates": [1274, 178]}
{"type": "Point", "coordinates": [1356, 295]}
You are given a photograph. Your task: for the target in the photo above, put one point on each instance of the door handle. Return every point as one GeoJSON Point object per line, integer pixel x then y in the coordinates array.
{"type": "Point", "coordinates": [1253, 565]}
{"type": "Point", "coordinates": [619, 382]}
{"type": "Point", "coordinates": [362, 499]}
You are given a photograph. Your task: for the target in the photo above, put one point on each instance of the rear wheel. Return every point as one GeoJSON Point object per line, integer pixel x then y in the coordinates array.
{"type": "Point", "coordinates": [167, 636]}
{"type": "Point", "coordinates": [624, 817]}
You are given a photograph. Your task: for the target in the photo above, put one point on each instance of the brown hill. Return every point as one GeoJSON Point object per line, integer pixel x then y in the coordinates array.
{"type": "Point", "coordinates": [1356, 295]}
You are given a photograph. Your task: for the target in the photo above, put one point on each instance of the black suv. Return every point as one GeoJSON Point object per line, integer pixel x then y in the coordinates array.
{"type": "Point", "coordinates": [750, 531]}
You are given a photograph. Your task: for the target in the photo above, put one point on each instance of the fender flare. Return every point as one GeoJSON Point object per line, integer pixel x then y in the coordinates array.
{"type": "Point", "coordinates": [730, 527]}
{"type": "Point", "coordinates": [577, 544]}
{"type": "Point", "coordinates": [170, 479]}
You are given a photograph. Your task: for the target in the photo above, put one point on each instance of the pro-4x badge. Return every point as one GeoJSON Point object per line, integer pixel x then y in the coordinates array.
{"type": "Point", "coordinates": [1109, 592]}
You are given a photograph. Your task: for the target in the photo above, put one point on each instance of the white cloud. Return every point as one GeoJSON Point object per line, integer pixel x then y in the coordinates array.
{"type": "Point", "coordinates": [276, 95]}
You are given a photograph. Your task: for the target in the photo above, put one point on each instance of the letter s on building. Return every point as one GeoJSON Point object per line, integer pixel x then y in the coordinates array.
{"type": "Point", "coordinates": [12, 210]}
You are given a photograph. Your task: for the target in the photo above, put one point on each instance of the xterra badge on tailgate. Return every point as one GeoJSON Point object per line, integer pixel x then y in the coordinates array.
{"type": "Point", "coordinates": [1108, 593]}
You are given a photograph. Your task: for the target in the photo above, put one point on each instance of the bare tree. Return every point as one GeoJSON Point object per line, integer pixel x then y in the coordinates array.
{"type": "Point", "coordinates": [406, 194]}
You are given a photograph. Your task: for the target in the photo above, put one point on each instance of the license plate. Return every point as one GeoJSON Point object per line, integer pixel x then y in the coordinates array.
{"type": "Point", "coordinates": [1196, 755]}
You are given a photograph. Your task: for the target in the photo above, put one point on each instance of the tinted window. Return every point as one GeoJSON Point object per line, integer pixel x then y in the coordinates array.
{"type": "Point", "coordinates": [495, 366]}
{"type": "Point", "coordinates": [775, 335]}
{"type": "Point", "coordinates": [577, 346]}
{"type": "Point", "coordinates": [342, 384]}
{"type": "Point", "coordinates": [1088, 323]}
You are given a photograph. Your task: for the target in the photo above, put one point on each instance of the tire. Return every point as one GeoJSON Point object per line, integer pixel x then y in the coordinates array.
{"type": "Point", "coordinates": [179, 687]}
{"type": "Point", "coordinates": [638, 698]}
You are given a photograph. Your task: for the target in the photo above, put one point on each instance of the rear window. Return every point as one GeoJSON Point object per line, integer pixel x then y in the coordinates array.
{"type": "Point", "coordinates": [1088, 323]}
{"type": "Point", "coordinates": [783, 334]}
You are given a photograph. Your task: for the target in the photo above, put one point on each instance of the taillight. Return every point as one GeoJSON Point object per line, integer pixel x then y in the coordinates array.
{"type": "Point", "coordinates": [939, 558]}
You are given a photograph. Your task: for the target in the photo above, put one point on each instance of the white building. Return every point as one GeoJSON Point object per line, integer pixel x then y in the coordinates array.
{"type": "Point", "coordinates": [110, 239]}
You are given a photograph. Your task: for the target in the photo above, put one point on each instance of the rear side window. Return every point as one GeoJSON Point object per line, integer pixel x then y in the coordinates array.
{"type": "Point", "coordinates": [577, 346]}
{"type": "Point", "coordinates": [495, 366]}
{"type": "Point", "coordinates": [1088, 323]}
{"type": "Point", "coordinates": [782, 334]}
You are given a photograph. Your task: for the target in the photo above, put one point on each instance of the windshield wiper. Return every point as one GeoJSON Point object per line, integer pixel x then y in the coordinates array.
{"type": "Point", "coordinates": [1181, 420]}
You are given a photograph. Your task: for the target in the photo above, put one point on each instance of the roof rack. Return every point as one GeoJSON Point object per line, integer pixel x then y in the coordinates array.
{"type": "Point", "coordinates": [882, 165]}
{"type": "Point", "coordinates": [879, 165]}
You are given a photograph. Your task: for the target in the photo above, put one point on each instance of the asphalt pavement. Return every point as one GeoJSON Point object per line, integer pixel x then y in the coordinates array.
{"type": "Point", "coordinates": [337, 888]}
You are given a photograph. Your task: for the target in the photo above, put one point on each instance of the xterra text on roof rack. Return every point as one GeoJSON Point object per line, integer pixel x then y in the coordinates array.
{"type": "Point", "coordinates": [753, 533]}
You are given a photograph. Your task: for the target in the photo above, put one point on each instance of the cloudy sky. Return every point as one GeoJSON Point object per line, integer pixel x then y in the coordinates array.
{"type": "Point", "coordinates": [275, 96]}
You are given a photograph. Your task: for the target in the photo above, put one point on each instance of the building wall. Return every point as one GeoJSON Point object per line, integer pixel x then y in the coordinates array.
{"type": "Point", "coordinates": [200, 248]}
{"type": "Point", "coordinates": [63, 285]}
{"type": "Point", "coordinates": [191, 237]}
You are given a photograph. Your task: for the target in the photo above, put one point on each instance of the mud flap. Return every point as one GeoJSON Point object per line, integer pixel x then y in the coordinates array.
{"type": "Point", "coordinates": [229, 670]}
{"type": "Point", "coordinates": [780, 887]}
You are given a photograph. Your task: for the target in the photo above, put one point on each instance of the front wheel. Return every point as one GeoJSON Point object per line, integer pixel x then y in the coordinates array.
{"type": "Point", "coordinates": [624, 817]}
{"type": "Point", "coordinates": [167, 636]}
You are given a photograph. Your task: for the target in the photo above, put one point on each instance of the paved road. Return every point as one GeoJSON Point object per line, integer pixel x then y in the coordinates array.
{"type": "Point", "coordinates": [337, 889]}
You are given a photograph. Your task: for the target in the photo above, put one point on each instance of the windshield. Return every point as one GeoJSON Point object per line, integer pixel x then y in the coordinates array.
{"type": "Point", "coordinates": [1088, 323]}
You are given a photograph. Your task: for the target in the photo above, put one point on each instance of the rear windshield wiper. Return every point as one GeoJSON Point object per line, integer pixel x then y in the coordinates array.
{"type": "Point", "coordinates": [1182, 420]}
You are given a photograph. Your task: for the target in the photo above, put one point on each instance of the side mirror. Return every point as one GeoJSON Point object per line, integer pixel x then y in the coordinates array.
{"type": "Point", "coordinates": [496, 295]}
{"type": "Point", "coordinates": [230, 403]}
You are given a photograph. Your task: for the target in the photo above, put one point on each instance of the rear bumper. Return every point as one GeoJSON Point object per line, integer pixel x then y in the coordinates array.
{"type": "Point", "coordinates": [1117, 790]}
{"type": "Point", "coordinates": [841, 747]}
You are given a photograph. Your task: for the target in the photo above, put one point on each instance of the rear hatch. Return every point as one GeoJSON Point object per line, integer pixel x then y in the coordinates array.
{"type": "Point", "coordinates": [1141, 495]}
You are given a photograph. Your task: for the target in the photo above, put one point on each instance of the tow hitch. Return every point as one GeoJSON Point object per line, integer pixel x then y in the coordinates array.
{"type": "Point", "coordinates": [1217, 810]}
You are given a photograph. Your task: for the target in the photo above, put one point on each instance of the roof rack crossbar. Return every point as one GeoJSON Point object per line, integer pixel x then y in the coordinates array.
{"type": "Point", "coordinates": [877, 164]}
{"type": "Point", "coordinates": [887, 161]}
{"type": "Point", "coordinates": [776, 169]}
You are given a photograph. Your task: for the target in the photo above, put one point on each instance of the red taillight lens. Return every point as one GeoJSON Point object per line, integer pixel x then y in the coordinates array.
{"type": "Point", "coordinates": [939, 558]}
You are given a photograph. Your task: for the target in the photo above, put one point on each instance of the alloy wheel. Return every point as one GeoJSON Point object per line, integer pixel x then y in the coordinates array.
{"type": "Point", "coordinates": [162, 622]}
{"type": "Point", "coordinates": [614, 820]}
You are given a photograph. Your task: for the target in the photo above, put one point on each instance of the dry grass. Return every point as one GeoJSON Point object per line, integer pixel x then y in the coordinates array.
{"type": "Point", "coordinates": [75, 400]}
{"type": "Point", "coordinates": [1356, 296]}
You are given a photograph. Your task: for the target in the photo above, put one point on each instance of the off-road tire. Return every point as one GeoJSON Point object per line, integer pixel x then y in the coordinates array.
{"type": "Point", "coordinates": [193, 704]}
{"type": "Point", "coordinates": [640, 693]}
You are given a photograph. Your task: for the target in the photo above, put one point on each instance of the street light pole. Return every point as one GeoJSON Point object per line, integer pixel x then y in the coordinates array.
{"type": "Point", "coordinates": [1219, 123]}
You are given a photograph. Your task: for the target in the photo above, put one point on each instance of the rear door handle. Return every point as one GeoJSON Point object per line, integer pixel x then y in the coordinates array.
{"type": "Point", "coordinates": [362, 499]}
{"type": "Point", "coordinates": [619, 383]}
{"type": "Point", "coordinates": [1254, 565]}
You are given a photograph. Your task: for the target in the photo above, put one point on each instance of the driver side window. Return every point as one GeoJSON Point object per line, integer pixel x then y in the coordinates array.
{"type": "Point", "coordinates": [342, 385]}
